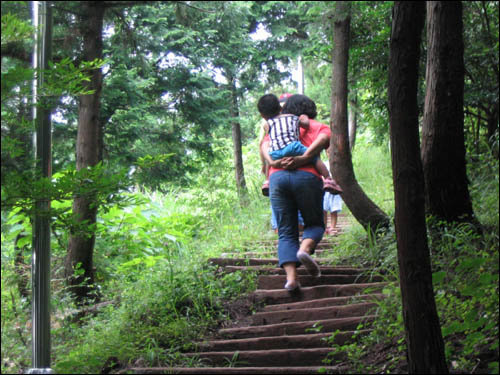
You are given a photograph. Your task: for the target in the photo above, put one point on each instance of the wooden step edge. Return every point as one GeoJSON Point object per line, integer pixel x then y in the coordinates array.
{"type": "Point", "coordinates": [352, 307]}
{"type": "Point", "coordinates": [337, 288]}
{"type": "Point", "coordinates": [280, 296]}
{"type": "Point", "coordinates": [322, 349]}
{"type": "Point", "coordinates": [280, 342]}
{"type": "Point", "coordinates": [331, 301]}
{"type": "Point", "coordinates": [270, 358]}
{"type": "Point", "coordinates": [223, 262]}
{"type": "Point", "coordinates": [268, 254]}
{"type": "Point", "coordinates": [236, 370]}
{"type": "Point", "coordinates": [272, 282]}
{"type": "Point", "coordinates": [296, 328]}
{"type": "Point", "coordinates": [325, 270]}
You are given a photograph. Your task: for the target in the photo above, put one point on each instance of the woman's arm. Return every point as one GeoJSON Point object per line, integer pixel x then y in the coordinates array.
{"type": "Point", "coordinates": [320, 143]}
{"type": "Point", "coordinates": [264, 153]}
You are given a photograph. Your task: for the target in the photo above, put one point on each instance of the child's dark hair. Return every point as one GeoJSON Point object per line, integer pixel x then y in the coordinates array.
{"type": "Point", "coordinates": [269, 106]}
{"type": "Point", "coordinates": [300, 105]}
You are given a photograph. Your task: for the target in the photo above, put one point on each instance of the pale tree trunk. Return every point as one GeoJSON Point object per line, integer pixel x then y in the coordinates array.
{"type": "Point", "coordinates": [364, 210]}
{"type": "Point", "coordinates": [443, 148]}
{"type": "Point", "coordinates": [88, 154]}
{"type": "Point", "coordinates": [425, 348]}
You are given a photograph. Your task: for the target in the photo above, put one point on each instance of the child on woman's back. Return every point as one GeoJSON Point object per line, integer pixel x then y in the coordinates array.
{"type": "Point", "coordinates": [284, 136]}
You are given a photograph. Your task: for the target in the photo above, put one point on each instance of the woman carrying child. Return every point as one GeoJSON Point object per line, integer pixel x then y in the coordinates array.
{"type": "Point", "coordinates": [295, 184]}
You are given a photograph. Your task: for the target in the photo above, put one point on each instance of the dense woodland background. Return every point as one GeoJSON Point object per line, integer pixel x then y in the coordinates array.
{"type": "Point", "coordinates": [173, 174]}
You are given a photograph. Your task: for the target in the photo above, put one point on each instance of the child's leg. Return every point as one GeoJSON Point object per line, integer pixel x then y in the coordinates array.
{"type": "Point", "coordinates": [333, 217]}
{"type": "Point", "coordinates": [265, 185]}
{"type": "Point", "coordinates": [321, 168]}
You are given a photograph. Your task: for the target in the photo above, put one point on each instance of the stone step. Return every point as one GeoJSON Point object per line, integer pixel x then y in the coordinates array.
{"type": "Point", "coordinates": [277, 296]}
{"type": "Point", "coordinates": [325, 270]}
{"type": "Point", "coordinates": [278, 281]}
{"type": "Point", "coordinates": [239, 370]}
{"type": "Point", "coordinates": [312, 314]}
{"type": "Point", "coordinates": [323, 302]}
{"type": "Point", "coordinates": [270, 358]}
{"type": "Point", "coordinates": [315, 340]}
{"type": "Point", "coordinates": [296, 328]}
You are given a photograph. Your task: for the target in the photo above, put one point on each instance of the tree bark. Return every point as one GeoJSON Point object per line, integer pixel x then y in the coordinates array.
{"type": "Point", "coordinates": [492, 130]}
{"type": "Point", "coordinates": [88, 154]}
{"type": "Point", "coordinates": [237, 147]}
{"type": "Point", "coordinates": [424, 342]}
{"type": "Point", "coordinates": [443, 146]}
{"type": "Point", "coordinates": [364, 210]}
{"type": "Point", "coordinates": [353, 123]}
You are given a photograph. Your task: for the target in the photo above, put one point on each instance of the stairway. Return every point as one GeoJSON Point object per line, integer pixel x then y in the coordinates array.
{"type": "Point", "coordinates": [288, 333]}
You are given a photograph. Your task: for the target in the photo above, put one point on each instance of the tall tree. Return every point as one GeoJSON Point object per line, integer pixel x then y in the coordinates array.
{"type": "Point", "coordinates": [363, 209]}
{"type": "Point", "coordinates": [88, 153]}
{"type": "Point", "coordinates": [443, 148]}
{"type": "Point", "coordinates": [423, 333]}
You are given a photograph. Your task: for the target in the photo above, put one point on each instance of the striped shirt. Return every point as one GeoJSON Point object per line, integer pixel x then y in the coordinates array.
{"type": "Point", "coordinates": [283, 130]}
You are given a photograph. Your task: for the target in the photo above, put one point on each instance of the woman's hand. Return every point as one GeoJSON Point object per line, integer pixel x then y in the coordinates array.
{"type": "Point", "coordinates": [294, 162]}
{"type": "Point", "coordinates": [275, 163]}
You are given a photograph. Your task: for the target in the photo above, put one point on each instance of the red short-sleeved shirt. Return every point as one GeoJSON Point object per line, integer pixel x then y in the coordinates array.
{"type": "Point", "coordinates": [307, 137]}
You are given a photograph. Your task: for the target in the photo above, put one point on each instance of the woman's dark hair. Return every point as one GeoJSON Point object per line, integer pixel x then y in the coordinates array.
{"type": "Point", "coordinates": [300, 105]}
{"type": "Point", "coordinates": [269, 106]}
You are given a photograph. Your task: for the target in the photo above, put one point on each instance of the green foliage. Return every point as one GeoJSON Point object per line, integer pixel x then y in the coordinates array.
{"type": "Point", "coordinates": [372, 165]}
{"type": "Point", "coordinates": [466, 287]}
{"type": "Point", "coordinates": [14, 30]}
{"type": "Point", "coordinates": [465, 273]}
{"type": "Point", "coordinates": [165, 113]}
{"type": "Point", "coordinates": [483, 173]}
{"type": "Point", "coordinates": [91, 182]}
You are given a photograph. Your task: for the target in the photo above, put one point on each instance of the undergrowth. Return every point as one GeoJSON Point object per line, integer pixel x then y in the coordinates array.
{"type": "Point", "coordinates": [152, 271]}
{"type": "Point", "coordinates": [465, 279]}
{"type": "Point", "coordinates": [151, 263]}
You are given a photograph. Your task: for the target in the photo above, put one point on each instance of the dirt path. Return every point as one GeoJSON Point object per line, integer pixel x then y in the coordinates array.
{"type": "Point", "coordinates": [287, 335]}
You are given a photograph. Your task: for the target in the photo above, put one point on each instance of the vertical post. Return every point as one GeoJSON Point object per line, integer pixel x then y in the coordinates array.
{"type": "Point", "coordinates": [300, 68]}
{"type": "Point", "coordinates": [42, 14]}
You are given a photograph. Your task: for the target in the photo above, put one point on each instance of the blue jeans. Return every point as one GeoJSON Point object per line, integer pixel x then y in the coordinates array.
{"type": "Point", "coordinates": [274, 224]}
{"type": "Point", "coordinates": [291, 191]}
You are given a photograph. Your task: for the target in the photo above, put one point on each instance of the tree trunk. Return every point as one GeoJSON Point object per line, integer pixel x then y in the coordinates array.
{"type": "Point", "coordinates": [364, 210]}
{"type": "Point", "coordinates": [88, 153]}
{"type": "Point", "coordinates": [238, 158]}
{"type": "Point", "coordinates": [353, 123]}
{"type": "Point", "coordinates": [492, 122]}
{"type": "Point", "coordinates": [443, 148]}
{"type": "Point", "coordinates": [423, 333]}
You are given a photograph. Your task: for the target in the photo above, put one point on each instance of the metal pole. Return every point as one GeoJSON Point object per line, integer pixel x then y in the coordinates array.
{"type": "Point", "coordinates": [40, 266]}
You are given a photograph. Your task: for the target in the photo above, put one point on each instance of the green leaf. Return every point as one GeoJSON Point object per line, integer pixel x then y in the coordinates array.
{"type": "Point", "coordinates": [470, 263]}
{"type": "Point", "coordinates": [23, 241]}
{"type": "Point", "coordinates": [437, 277]}
{"type": "Point", "coordinates": [452, 328]}
{"type": "Point", "coordinates": [486, 279]}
